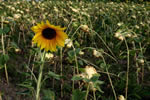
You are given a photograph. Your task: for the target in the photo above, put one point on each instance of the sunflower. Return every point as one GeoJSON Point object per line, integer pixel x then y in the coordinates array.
{"type": "Point", "coordinates": [48, 36]}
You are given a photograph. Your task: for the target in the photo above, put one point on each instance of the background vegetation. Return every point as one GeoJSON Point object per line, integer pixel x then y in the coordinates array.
{"type": "Point", "coordinates": [113, 37]}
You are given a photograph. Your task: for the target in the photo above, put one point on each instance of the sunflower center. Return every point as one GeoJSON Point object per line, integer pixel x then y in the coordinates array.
{"type": "Point", "coordinates": [49, 33]}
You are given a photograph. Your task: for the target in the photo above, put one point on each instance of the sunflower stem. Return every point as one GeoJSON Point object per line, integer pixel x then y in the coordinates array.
{"type": "Point", "coordinates": [61, 69]}
{"type": "Point", "coordinates": [3, 47]}
{"type": "Point", "coordinates": [76, 61]}
{"type": "Point", "coordinates": [40, 76]}
{"type": "Point", "coordinates": [128, 66]}
{"type": "Point", "coordinates": [110, 80]}
{"type": "Point", "coordinates": [94, 95]}
{"type": "Point", "coordinates": [104, 44]}
{"type": "Point", "coordinates": [87, 92]}
{"type": "Point", "coordinates": [75, 68]}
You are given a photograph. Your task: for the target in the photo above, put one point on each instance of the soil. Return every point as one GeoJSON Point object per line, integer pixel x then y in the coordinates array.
{"type": "Point", "coordinates": [9, 91]}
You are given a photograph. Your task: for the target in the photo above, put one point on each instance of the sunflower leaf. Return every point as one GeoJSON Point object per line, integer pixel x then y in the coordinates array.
{"type": "Point", "coordinates": [6, 30]}
{"type": "Point", "coordinates": [54, 75]}
{"type": "Point", "coordinates": [1, 31]}
{"type": "Point", "coordinates": [78, 95]}
{"type": "Point", "coordinates": [76, 78]}
{"type": "Point", "coordinates": [4, 59]}
{"type": "Point", "coordinates": [48, 95]}
{"type": "Point", "coordinates": [95, 78]}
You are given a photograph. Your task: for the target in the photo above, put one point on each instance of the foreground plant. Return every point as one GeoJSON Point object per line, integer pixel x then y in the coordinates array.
{"type": "Point", "coordinates": [47, 37]}
{"type": "Point", "coordinates": [90, 79]}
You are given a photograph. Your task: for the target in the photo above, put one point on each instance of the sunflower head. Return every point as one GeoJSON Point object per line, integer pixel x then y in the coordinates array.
{"type": "Point", "coordinates": [48, 36]}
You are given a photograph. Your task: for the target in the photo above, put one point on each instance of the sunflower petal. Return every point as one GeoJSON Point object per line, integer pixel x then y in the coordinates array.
{"type": "Point", "coordinates": [39, 25]}
{"type": "Point", "coordinates": [47, 22]}
{"type": "Point", "coordinates": [39, 43]}
{"type": "Point", "coordinates": [62, 34]}
{"type": "Point", "coordinates": [60, 41]}
{"type": "Point", "coordinates": [34, 28]}
{"type": "Point", "coordinates": [43, 45]}
{"type": "Point", "coordinates": [54, 45]}
{"type": "Point", "coordinates": [50, 46]}
{"type": "Point", "coordinates": [60, 29]}
{"type": "Point", "coordinates": [36, 36]}
{"type": "Point", "coordinates": [42, 23]}
{"type": "Point", "coordinates": [47, 46]}
{"type": "Point", "coordinates": [48, 43]}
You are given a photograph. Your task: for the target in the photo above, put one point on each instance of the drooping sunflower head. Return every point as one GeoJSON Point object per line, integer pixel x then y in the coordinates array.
{"type": "Point", "coordinates": [48, 36]}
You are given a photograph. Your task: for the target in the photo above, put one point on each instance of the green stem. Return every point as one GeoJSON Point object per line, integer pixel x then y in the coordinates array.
{"type": "Point", "coordinates": [3, 47]}
{"type": "Point", "coordinates": [61, 70]}
{"type": "Point", "coordinates": [127, 77]}
{"type": "Point", "coordinates": [87, 92]}
{"type": "Point", "coordinates": [105, 44]}
{"type": "Point", "coordinates": [94, 95]}
{"type": "Point", "coordinates": [110, 79]}
{"type": "Point", "coordinates": [75, 68]}
{"type": "Point", "coordinates": [136, 63]}
{"type": "Point", "coordinates": [142, 64]}
{"type": "Point", "coordinates": [40, 76]}
{"type": "Point", "coordinates": [76, 60]}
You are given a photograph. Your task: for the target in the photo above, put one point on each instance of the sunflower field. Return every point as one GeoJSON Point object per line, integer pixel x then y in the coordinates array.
{"type": "Point", "coordinates": [74, 50]}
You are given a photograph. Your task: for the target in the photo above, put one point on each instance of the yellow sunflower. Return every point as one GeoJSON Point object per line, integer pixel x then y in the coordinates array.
{"type": "Point", "coordinates": [48, 36]}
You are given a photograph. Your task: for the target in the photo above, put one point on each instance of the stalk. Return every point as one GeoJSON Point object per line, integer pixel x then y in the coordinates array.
{"type": "Point", "coordinates": [40, 76]}
{"type": "Point", "coordinates": [3, 47]}
{"type": "Point", "coordinates": [127, 77]}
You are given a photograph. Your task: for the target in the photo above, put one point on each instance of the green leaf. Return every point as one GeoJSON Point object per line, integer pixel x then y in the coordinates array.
{"type": "Point", "coordinates": [26, 85]}
{"type": "Point", "coordinates": [1, 66]}
{"type": "Point", "coordinates": [99, 89]}
{"type": "Point", "coordinates": [48, 95]}
{"type": "Point", "coordinates": [132, 52]}
{"type": "Point", "coordinates": [71, 53]}
{"type": "Point", "coordinates": [80, 62]}
{"type": "Point", "coordinates": [56, 76]}
{"type": "Point", "coordinates": [98, 82]}
{"type": "Point", "coordinates": [138, 39]}
{"type": "Point", "coordinates": [95, 78]}
{"type": "Point", "coordinates": [77, 43]}
{"type": "Point", "coordinates": [1, 31]}
{"type": "Point", "coordinates": [77, 51]}
{"type": "Point", "coordinates": [97, 85]}
{"type": "Point", "coordinates": [86, 80]}
{"type": "Point", "coordinates": [1, 12]}
{"type": "Point", "coordinates": [14, 45]}
{"type": "Point", "coordinates": [75, 24]}
{"type": "Point", "coordinates": [78, 95]}
{"type": "Point", "coordinates": [25, 92]}
{"type": "Point", "coordinates": [76, 78]}
{"type": "Point", "coordinates": [4, 59]}
{"type": "Point", "coordinates": [38, 62]}
{"type": "Point", "coordinates": [82, 69]}
{"type": "Point", "coordinates": [6, 30]}
{"type": "Point", "coordinates": [103, 65]}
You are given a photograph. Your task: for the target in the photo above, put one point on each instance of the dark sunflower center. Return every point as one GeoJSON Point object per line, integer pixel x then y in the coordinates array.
{"type": "Point", "coordinates": [49, 33]}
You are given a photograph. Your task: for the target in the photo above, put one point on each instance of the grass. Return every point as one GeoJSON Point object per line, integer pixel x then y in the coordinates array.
{"type": "Point", "coordinates": [111, 37]}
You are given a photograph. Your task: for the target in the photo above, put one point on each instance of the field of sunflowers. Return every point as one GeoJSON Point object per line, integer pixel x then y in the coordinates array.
{"type": "Point", "coordinates": [74, 50]}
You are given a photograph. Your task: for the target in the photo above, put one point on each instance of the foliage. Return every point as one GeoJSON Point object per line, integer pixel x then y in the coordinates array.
{"type": "Point", "coordinates": [102, 35]}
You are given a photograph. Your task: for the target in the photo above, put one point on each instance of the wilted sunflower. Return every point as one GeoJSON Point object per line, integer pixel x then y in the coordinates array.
{"type": "Point", "coordinates": [48, 36]}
